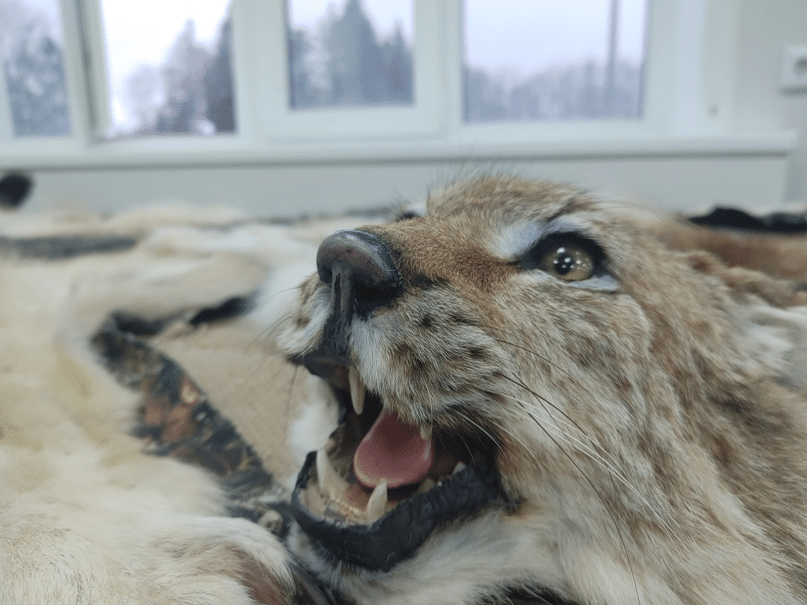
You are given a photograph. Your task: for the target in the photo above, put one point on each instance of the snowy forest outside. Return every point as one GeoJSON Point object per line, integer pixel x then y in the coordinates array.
{"type": "Point", "coordinates": [341, 60]}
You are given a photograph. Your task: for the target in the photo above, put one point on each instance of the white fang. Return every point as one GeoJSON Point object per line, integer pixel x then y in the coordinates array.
{"type": "Point", "coordinates": [377, 502]}
{"type": "Point", "coordinates": [357, 391]}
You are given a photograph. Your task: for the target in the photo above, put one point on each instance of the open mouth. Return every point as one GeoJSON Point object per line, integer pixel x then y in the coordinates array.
{"type": "Point", "coordinates": [380, 486]}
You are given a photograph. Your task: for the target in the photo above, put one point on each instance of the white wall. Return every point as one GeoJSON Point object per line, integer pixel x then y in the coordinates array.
{"type": "Point", "coordinates": [672, 183]}
{"type": "Point", "coordinates": [796, 180]}
{"type": "Point", "coordinates": [758, 158]}
{"type": "Point", "coordinates": [765, 29]}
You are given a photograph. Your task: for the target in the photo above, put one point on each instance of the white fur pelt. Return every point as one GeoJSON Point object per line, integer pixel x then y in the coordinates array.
{"type": "Point", "coordinates": [85, 515]}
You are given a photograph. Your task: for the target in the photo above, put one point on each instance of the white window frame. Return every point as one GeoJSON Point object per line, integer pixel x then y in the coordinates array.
{"type": "Point", "coordinates": [260, 28]}
{"type": "Point", "coordinates": [12, 147]}
{"type": "Point", "coordinates": [6, 127]}
{"type": "Point", "coordinates": [687, 102]}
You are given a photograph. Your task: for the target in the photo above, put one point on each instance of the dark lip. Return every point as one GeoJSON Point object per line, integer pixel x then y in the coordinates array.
{"type": "Point", "coordinates": [396, 535]}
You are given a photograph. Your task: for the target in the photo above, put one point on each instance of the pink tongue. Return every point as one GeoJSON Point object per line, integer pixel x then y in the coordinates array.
{"type": "Point", "coordinates": [392, 450]}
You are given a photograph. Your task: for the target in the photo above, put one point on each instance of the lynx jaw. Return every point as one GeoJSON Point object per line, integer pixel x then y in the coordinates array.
{"type": "Point", "coordinates": [352, 511]}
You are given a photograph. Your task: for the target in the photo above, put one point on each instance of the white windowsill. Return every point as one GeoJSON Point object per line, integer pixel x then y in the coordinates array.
{"type": "Point", "coordinates": [226, 150]}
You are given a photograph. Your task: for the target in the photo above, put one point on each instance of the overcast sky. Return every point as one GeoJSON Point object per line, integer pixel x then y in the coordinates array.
{"type": "Point", "coordinates": [534, 28]}
{"type": "Point", "coordinates": [537, 32]}
{"type": "Point", "coordinates": [530, 34]}
{"type": "Point", "coordinates": [125, 23]}
{"type": "Point", "coordinates": [519, 36]}
{"type": "Point", "coordinates": [142, 31]}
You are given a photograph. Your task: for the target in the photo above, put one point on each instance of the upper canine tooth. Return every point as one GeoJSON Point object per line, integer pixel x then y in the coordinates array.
{"type": "Point", "coordinates": [328, 479]}
{"type": "Point", "coordinates": [377, 502]}
{"type": "Point", "coordinates": [357, 391]}
{"type": "Point", "coordinates": [426, 433]}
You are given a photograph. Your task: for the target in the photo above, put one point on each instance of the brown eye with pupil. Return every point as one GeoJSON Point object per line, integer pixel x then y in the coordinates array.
{"type": "Point", "coordinates": [568, 262]}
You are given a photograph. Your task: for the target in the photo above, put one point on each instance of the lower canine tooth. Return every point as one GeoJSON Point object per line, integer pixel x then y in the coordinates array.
{"type": "Point", "coordinates": [328, 479]}
{"type": "Point", "coordinates": [357, 391]}
{"type": "Point", "coordinates": [377, 502]}
{"type": "Point", "coordinates": [458, 468]}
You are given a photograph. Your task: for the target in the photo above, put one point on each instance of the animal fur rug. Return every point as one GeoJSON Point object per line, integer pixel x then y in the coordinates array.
{"type": "Point", "coordinates": [139, 405]}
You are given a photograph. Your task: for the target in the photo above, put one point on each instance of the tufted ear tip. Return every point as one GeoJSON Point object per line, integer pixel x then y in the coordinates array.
{"type": "Point", "coordinates": [14, 188]}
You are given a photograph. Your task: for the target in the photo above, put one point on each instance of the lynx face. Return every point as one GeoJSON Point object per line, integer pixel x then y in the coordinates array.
{"type": "Point", "coordinates": [539, 399]}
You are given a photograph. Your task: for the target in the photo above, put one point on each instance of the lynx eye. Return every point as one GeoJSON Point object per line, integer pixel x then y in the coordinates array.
{"type": "Point", "coordinates": [567, 257]}
{"type": "Point", "coordinates": [567, 262]}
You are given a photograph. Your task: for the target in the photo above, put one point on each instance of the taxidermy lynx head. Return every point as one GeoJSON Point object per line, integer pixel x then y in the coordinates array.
{"type": "Point", "coordinates": [540, 397]}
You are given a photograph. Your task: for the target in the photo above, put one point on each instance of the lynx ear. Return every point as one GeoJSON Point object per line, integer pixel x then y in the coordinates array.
{"type": "Point", "coordinates": [767, 275]}
{"type": "Point", "coordinates": [771, 319]}
{"type": "Point", "coordinates": [777, 339]}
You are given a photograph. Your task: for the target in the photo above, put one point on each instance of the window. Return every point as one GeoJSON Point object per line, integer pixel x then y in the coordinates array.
{"type": "Point", "coordinates": [329, 70]}
{"type": "Point", "coordinates": [32, 56]}
{"type": "Point", "coordinates": [406, 78]}
{"type": "Point", "coordinates": [345, 70]}
{"type": "Point", "coordinates": [168, 67]}
{"type": "Point", "coordinates": [546, 60]}
{"type": "Point", "coordinates": [356, 54]}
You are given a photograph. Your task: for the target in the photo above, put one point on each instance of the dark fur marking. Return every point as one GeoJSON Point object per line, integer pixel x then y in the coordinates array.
{"type": "Point", "coordinates": [460, 320]}
{"type": "Point", "coordinates": [477, 353]}
{"type": "Point", "coordinates": [406, 215]}
{"type": "Point", "coordinates": [426, 322]}
{"type": "Point", "coordinates": [424, 283]}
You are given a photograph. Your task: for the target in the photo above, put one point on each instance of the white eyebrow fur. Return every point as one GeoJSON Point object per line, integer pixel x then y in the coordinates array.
{"type": "Point", "coordinates": [514, 240]}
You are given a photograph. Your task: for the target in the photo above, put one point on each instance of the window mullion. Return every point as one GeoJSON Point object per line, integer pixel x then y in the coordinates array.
{"type": "Point", "coordinates": [6, 127]}
{"type": "Point", "coordinates": [84, 68]}
{"type": "Point", "coordinates": [261, 83]}
{"type": "Point", "coordinates": [259, 65]}
{"type": "Point", "coordinates": [451, 54]}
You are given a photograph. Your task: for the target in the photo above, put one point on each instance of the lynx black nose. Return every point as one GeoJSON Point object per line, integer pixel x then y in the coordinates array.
{"type": "Point", "coordinates": [363, 277]}
{"type": "Point", "coordinates": [360, 270]}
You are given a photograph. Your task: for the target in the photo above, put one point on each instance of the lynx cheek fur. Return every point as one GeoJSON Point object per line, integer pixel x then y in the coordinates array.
{"type": "Point", "coordinates": [578, 411]}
